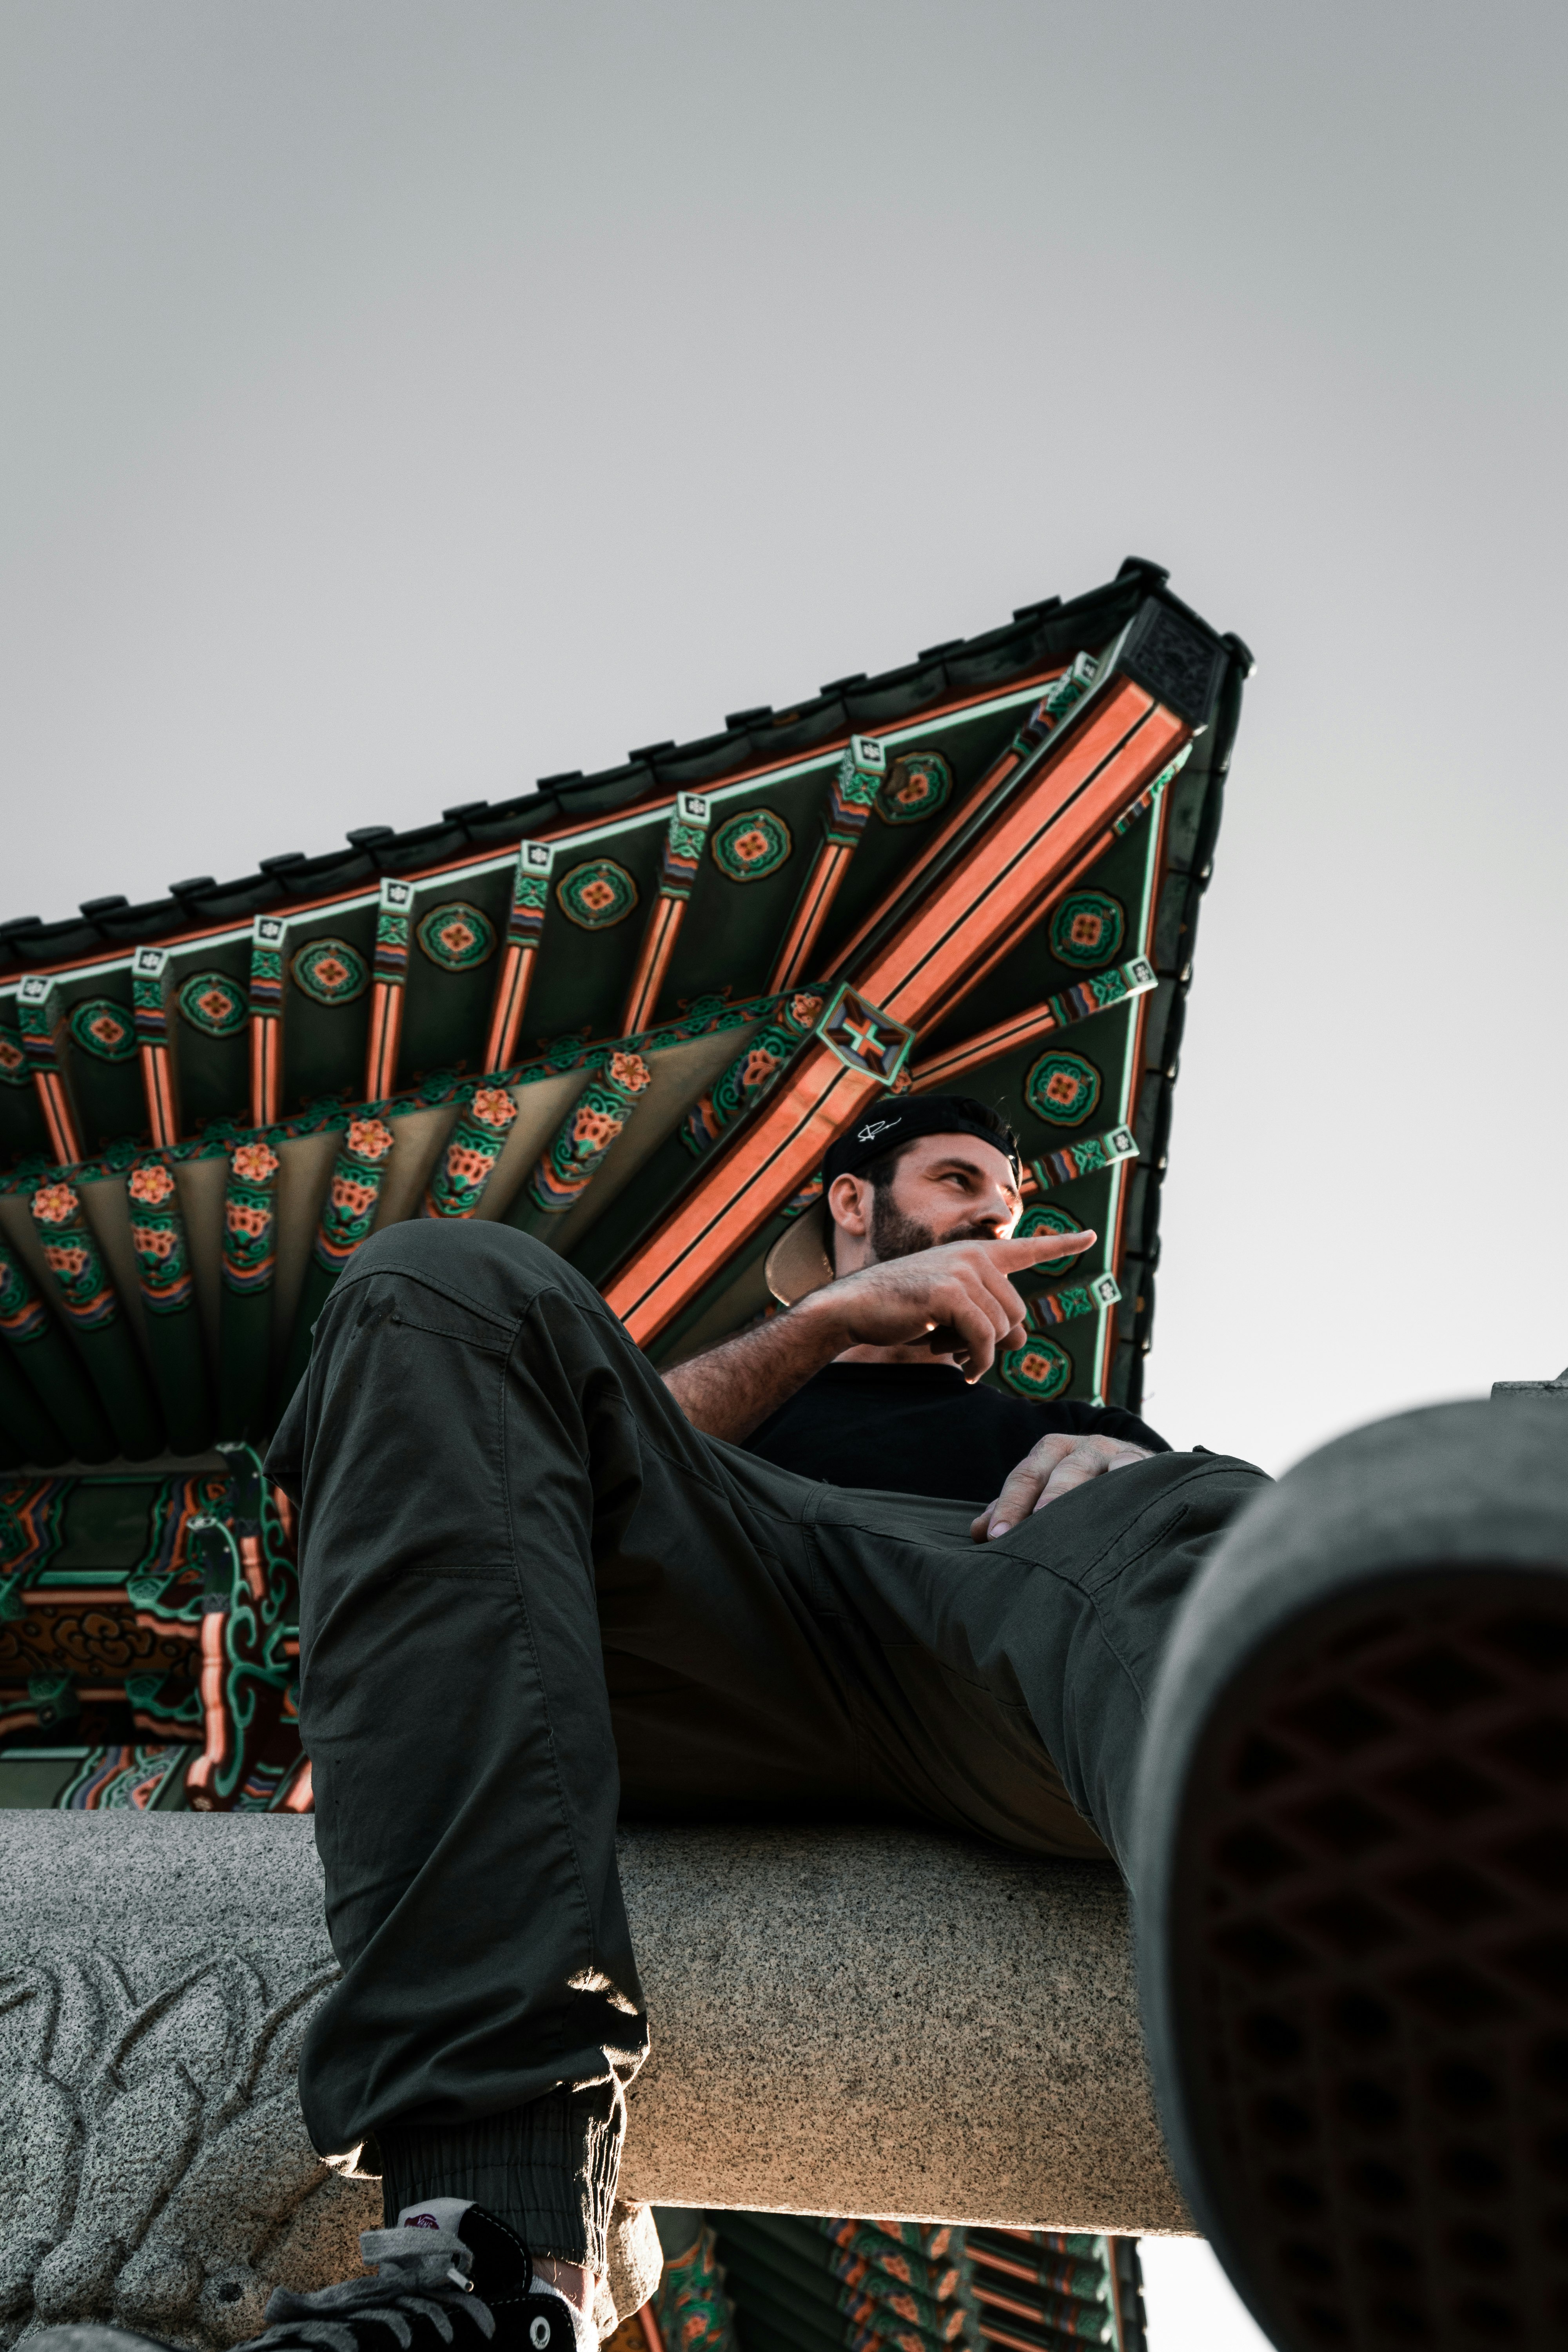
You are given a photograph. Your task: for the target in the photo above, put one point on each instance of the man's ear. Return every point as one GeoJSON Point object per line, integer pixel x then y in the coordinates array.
{"type": "Point", "coordinates": [849, 1211]}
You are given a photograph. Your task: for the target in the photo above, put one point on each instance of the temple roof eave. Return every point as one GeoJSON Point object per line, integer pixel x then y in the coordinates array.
{"type": "Point", "coordinates": [755, 740]}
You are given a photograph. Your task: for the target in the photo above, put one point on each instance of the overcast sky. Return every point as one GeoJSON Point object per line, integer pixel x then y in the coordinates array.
{"type": "Point", "coordinates": [405, 402]}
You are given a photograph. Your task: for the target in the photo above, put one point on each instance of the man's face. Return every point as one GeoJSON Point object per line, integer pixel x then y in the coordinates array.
{"type": "Point", "coordinates": [945, 1188]}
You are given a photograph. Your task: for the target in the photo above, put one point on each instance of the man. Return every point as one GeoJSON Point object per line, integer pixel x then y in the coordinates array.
{"type": "Point", "coordinates": [856, 1384]}
{"type": "Point", "coordinates": [541, 1588]}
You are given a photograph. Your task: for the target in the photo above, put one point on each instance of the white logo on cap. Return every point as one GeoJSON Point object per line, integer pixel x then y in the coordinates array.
{"type": "Point", "coordinates": [539, 2333]}
{"type": "Point", "coordinates": [875, 1127]}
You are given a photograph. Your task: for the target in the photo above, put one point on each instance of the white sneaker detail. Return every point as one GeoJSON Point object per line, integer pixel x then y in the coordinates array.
{"type": "Point", "coordinates": [435, 2214]}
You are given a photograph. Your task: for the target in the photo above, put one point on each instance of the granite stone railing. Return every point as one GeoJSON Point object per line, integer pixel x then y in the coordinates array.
{"type": "Point", "coordinates": [845, 2022]}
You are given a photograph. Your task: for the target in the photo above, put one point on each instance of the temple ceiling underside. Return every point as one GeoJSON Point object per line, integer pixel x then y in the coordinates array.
{"type": "Point", "coordinates": [623, 1014]}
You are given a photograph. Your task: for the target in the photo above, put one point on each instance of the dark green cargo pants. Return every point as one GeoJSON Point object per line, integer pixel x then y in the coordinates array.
{"type": "Point", "coordinates": [534, 1598]}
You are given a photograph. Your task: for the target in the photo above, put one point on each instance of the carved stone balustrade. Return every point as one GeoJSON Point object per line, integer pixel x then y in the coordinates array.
{"type": "Point", "coordinates": [845, 2022]}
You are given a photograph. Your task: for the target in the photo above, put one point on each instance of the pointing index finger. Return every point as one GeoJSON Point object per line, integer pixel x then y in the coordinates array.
{"type": "Point", "coordinates": [1028, 1249]}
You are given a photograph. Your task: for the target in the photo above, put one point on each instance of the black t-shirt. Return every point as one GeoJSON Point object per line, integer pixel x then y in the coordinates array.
{"type": "Point", "coordinates": [921, 1428]}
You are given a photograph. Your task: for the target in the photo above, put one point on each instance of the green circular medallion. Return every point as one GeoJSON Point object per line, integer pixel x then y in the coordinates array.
{"type": "Point", "coordinates": [596, 895]}
{"type": "Point", "coordinates": [214, 1003]}
{"type": "Point", "coordinates": [1062, 1088]}
{"type": "Point", "coordinates": [1040, 1369]}
{"type": "Point", "coordinates": [1045, 1218]}
{"type": "Point", "coordinates": [330, 971]}
{"type": "Point", "coordinates": [458, 936]}
{"type": "Point", "coordinates": [1087, 927]}
{"type": "Point", "coordinates": [755, 843]}
{"type": "Point", "coordinates": [103, 1029]}
{"type": "Point", "coordinates": [915, 788]}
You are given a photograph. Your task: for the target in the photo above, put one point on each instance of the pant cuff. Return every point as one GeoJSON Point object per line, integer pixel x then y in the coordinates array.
{"type": "Point", "coordinates": [549, 2168]}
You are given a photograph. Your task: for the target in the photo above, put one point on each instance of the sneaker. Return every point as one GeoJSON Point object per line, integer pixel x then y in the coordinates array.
{"type": "Point", "coordinates": [449, 2278]}
{"type": "Point", "coordinates": [1351, 1889]}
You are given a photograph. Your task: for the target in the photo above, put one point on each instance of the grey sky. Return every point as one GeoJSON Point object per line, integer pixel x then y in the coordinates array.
{"type": "Point", "coordinates": [403, 402]}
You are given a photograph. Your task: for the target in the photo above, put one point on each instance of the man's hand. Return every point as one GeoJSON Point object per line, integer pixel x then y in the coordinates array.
{"type": "Point", "coordinates": [959, 1291]}
{"type": "Point", "coordinates": [1050, 1470]}
{"type": "Point", "coordinates": [958, 1294]}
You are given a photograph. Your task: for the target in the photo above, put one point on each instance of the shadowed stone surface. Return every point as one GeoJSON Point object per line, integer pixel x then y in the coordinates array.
{"type": "Point", "coordinates": [859, 2022]}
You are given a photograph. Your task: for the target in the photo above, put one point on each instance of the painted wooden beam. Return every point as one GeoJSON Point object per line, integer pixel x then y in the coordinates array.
{"type": "Point", "coordinates": [525, 925]}
{"type": "Point", "coordinates": [151, 991]}
{"type": "Point", "coordinates": [348, 1213]}
{"type": "Point", "coordinates": [567, 1168]}
{"type": "Point", "coordinates": [1117, 985]}
{"type": "Point", "coordinates": [97, 1319]}
{"type": "Point", "coordinates": [853, 1053]}
{"type": "Point", "coordinates": [852, 796]}
{"type": "Point", "coordinates": [266, 1020]}
{"type": "Point", "coordinates": [1002, 863]}
{"type": "Point", "coordinates": [388, 982]}
{"type": "Point", "coordinates": [40, 1009]}
{"type": "Point", "coordinates": [685, 838]}
{"type": "Point", "coordinates": [39, 1353]}
{"type": "Point", "coordinates": [1078, 782]}
{"type": "Point", "coordinates": [469, 1154]}
{"type": "Point", "coordinates": [1060, 696]}
{"type": "Point", "coordinates": [1085, 1158]}
{"type": "Point", "coordinates": [249, 1264]}
{"type": "Point", "coordinates": [169, 1304]}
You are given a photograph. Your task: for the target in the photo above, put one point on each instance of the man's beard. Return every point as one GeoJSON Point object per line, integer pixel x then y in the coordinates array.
{"type": "Point", "coordinates": [894, 1234]}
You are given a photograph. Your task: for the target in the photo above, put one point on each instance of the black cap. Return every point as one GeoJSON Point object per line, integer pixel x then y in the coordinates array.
{"type": "Point", "coordinates": [899, 1118]}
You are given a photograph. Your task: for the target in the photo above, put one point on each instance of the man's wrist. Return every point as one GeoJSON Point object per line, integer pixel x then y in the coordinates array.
{"type": "Point", "coordinates": [819, 1318]}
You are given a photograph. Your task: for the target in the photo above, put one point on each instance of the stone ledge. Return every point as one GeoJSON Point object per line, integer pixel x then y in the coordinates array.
{"type": "Point", "coordinates": [845, 2022]}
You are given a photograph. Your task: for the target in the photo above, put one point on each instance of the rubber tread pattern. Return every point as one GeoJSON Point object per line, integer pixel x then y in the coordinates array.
{"type": "Point", "coordinates": [1379, 1969]}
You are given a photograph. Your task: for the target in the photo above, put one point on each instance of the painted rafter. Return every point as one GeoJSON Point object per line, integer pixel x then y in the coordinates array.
{"type": "Point", "coordinates": [40, 1007]}
{"type": "Point", "coordinates": [1081, 1002]}
{"type": "Point", "coordinates": [525, 925]}
{"type": "Point", "coordinates": [388, 984]}
{"type": "Point", "coordinates": [852, 796]}
{"type": "Point", "coordinates": [1064, 791]}
{"type": "Point", "coordinates": [685, 837]}
{"type": "Point", "coordinates": [266, 1019]}
{"type": "Point", "coordinates": [151, 991]}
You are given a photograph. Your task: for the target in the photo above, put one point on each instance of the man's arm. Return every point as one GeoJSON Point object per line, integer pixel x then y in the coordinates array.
{"type": "Point", "coordinates": [958, 1287]}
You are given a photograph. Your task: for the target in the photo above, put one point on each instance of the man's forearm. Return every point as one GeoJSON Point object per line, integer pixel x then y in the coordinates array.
{"type": "Point", "coordinates": [732, 1389]}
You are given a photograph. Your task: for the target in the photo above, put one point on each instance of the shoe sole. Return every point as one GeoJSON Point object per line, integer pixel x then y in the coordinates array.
{"type": "Point", "coordinates": [1369, 1960]}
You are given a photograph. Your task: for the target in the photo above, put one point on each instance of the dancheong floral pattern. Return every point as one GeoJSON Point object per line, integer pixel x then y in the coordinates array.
{"type": "Point", "coordinates": [1062, 1088]}
{"type": "Point", "coordinates": [103, 1029]}
{"type": "Point", "coordinates": [565, 1170]}
{"type": "Point", "coordinates": [475, 1145]}
{"type": "Point", "coordinates": [250, 1217]}
{"type": "Point", "coordinates": [596, 895]}
{"type": "Point", "coordinates": [1044, 1218]}
{"type": "Point", "coordinates": [214, 1003]}
{"type": "Point", "coordinates": [73, 1258]}
{"type": "Point", "coordinates": [1087, 927]}
{"type": "Point", "coordinates": [23, 1315]}
{"type": "Point", "coordinates": [330, 971]}
{"type": "Point", "coordinates": [916, 787]}
{"type": "Point", "coordinates": [158, 1237]}
{"type": "Point", "coordinates": [751, 1075]}
{"type": "Point", "coordinates": [349, 1211]}
{"type": "Point", "coordinates": [458, 937]}
{"type": "Point", "coordinates": [13, 1070]}
{"type": "Point", "coordinates": [751, 844]}
{"type": "Point", "coordinates": [1041, 1369]}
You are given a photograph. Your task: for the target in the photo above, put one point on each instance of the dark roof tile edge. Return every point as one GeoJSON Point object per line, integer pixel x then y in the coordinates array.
{"type": "Point", "coordinates": [1037, 636]}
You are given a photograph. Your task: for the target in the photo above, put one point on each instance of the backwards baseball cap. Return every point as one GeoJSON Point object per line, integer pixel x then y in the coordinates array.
{"type": "Point", "coordinates": [897, 1119]}
{"type": "Point", "coordinates": [802, 1259]}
